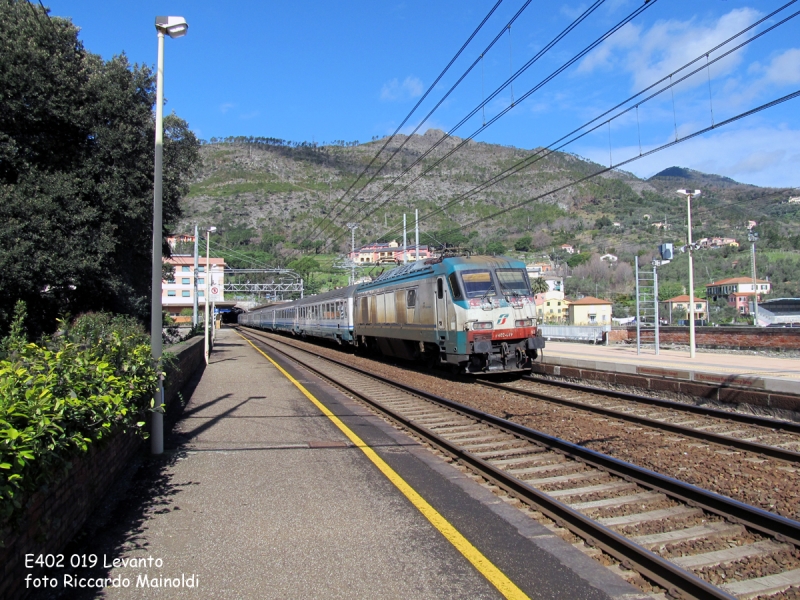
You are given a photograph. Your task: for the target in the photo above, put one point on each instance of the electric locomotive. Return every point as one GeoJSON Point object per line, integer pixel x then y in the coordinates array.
{"type": "Point", "coordinates": [476, 314]}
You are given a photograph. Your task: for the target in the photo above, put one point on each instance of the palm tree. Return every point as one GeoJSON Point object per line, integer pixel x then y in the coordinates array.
{"type": "Point", "coordinates": [539, 286]}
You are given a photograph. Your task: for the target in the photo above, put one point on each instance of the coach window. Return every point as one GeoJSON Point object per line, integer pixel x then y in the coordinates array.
{"type": "Point", "coordinates": [454, 286]}
{"type": "Point", "coordinates": [411, 298]}
{"type": "Point", "coordinates": [439, 289]}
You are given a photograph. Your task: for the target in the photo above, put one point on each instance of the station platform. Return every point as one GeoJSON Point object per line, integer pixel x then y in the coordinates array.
{"type": "Point", "coordinates": [752, 371]}
{"type": "Point", "coordinates": [261, 494]}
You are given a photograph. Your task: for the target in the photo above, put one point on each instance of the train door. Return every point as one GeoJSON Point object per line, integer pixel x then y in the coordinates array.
{"type": "Point", "coordinates": [441, 304]}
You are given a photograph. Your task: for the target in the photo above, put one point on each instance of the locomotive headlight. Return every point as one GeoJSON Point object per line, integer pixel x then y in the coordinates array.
{"type": "Point", "coordinates": [482, 325]}
{"type": "Point", "coordinates": [523, 323]}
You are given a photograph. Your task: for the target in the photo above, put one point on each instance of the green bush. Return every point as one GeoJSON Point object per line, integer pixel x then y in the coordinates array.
{"type": "Point", "coordinates": [93, 378]}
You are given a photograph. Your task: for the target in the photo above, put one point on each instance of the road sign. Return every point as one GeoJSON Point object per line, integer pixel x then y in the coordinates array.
{"type": "Point", "coordinates": [215, 290]}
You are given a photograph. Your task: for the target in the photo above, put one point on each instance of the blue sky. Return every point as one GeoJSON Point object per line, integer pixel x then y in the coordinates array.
{"type": "Point", "coordinates": [324, 71]}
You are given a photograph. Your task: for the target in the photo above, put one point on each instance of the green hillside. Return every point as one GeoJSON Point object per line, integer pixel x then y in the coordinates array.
{"type": "Point", "coordinates": [275, 202]}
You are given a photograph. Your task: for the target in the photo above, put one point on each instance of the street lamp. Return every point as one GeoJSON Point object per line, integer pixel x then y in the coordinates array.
{"type": "Point", "coordinates": [208, 283]}
{"type": "Point", "coordinates": [689, 194]}
{"type": "Point", "coordinates": [174, 27]}
{"type": "Point", "coordinates": [753, 237]}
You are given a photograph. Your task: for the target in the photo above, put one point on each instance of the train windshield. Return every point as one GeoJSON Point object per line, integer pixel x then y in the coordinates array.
{"type": "Point", "coordinates": [513, 282]}
{"type": "Point", "coordinates": [478, 284]}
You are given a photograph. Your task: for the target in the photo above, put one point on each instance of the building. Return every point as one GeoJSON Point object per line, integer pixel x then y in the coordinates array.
{"type": "Point", "coordinates": [609, 258]}
{"type": "Point", "coordinates": [551, 309]}
{"type": "Point", "coordinates": [179, 238]}
{"type": "Point", "coordinates": [178, 293]}
{"type": "Point", "coordinates": [387, 252]}
{"type": "Point", "coordinates": [537, 269]}
{"type": "Point", "coordinates": [682, 302]}
{"type": "Point", "coordinates": [794, 200]}
{"type": "Point", "coordinates": [590, 311]}
{"type": "Point", "coordinates": [780, 312]}
{"type": "Point", "coordinates": [738, 291]}
{"type": "Point", "coordinates": [568, 249]}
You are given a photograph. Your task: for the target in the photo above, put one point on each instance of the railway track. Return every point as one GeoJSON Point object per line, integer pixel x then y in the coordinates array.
{"type": "Point", "coordinates": [760, 435]}
{"type": "Point", "coordinates": [692, 542]}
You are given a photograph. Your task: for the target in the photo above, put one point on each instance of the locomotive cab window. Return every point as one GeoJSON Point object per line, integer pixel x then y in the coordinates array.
{"type": "Point", "coordinates": [411, 298]}
{"type": "Point", "coordinates": [454, 287]}
{"type": "Point", "coordinates": [439, 288]}
{"type": "Point", "coordinates": [513, 282]}
{"type": "Point", "coordinates": [478, 284]}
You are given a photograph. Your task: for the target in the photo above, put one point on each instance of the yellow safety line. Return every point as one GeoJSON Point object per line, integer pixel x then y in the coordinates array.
{"type": "Point", "coordinates": [495, 576]}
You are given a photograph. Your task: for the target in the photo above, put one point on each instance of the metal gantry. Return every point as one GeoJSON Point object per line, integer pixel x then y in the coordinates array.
{"type": "Point", "coordinates": [646, 308]}
{"type": "Point", "coordinates": [270, 283]}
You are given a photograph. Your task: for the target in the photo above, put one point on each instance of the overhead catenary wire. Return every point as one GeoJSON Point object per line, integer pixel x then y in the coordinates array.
{"type": "Point", "coordinates": [466, 140]}
{"type": "Point", "coordinates": [481, 106]}
{"type": "Point", "coordinates": [546, 151]}
{"type": "Point", "coordinates": [422, 121]}
{"type": "Point", "coordinates": [697, 133]}
{"type": "Point", "coordinates": [416, 106]}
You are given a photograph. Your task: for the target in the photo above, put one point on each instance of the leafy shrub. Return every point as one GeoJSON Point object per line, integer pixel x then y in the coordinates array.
{"type": "Point", "coordinates": [93, 378]}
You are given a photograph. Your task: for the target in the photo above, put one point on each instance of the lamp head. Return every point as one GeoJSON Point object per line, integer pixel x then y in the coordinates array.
{"type": "Point", "coordinates": [211, 229]}
{"type": "Point", "coordinates": [689, 192]}
{"type": "Point", "coordinates": [174, 27]}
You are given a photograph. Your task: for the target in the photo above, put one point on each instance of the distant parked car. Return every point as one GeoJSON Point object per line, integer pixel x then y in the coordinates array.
{"type": "Point", "coordinates": [697, 322]}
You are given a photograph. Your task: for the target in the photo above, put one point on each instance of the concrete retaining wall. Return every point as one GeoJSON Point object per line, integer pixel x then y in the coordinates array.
{"type": "Point", "coordinates": [55, 513]}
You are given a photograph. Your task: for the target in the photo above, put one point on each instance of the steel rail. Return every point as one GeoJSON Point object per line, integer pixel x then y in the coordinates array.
{"type": "Point", "coordinates": [676, 580]}
{"type": "Point", "coordinates": [706, 436]}
{"type": "Point", "coordinates": [692, 408]}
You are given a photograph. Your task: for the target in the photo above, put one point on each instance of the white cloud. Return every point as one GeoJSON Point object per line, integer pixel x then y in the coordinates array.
{"type": "Point", "coordinates": [572, 12]}
{"type": "Point", "coordinates": [411, 87]}
{"type": "Point", "coordinates": [784, 69]}
{"type": "Point", "coordinates": [760, 155]}
{"type": "Point", "coordinates": [648, 55]}
{"type": "Point", "coordinates": [226, 107]}
{"type": "Point", "coordinates": [250, 115]}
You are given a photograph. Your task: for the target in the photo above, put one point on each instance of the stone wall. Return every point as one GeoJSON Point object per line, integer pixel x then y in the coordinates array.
{"type": "Point", "coordinates": [55, 513]}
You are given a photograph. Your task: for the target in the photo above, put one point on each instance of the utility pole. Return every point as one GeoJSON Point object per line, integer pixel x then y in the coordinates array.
{"type": "Point", "coordinates": [194, 292]}
{"type": "Point", "coordinates": [353, 227]}
{"type": "Point", "coordinates": [416, 234]}
{"type": "Point", "coordinates": [689, 195]}
{"type": "Point", "coordinates": [405, 244]}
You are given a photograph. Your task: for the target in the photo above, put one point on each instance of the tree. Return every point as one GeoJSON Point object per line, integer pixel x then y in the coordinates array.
{"type": "Point", "coordinates": [76, 172]}
{"type": "Point", "coordinates": [523, 244]}
{"type": "Point", "coordinates": [304, 266]}
{"type": "Point", "coordinates": [539, 285]}
{"type": "Point", "coordinates": [669, 289]}
{"type": "Point", "coordinates": [603, 222]}
{"type": "Point", "coordinates": [578, 259]}
{"type": "Point", "coordinates": [495, 247]}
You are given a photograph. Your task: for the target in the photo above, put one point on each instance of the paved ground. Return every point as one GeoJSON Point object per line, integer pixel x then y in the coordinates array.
{"type": "Point", "coordinates": [259, 496]}
{"type": "Point", "coordinates": [781, 374]}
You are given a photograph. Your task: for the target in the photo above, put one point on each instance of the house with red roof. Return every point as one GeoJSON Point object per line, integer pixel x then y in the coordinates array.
{"type": "Point", "coordinates": [738, 291]}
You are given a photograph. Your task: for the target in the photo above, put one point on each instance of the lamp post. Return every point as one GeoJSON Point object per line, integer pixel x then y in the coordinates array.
{"type": "Point", "coordinates": [753, 237]}
{"type": "Point", "coordinates": [174, 27]}
{"type": "Point", "coordinates": [689, 194]}
{"type": "Point", "coordinates": [208, 283]}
